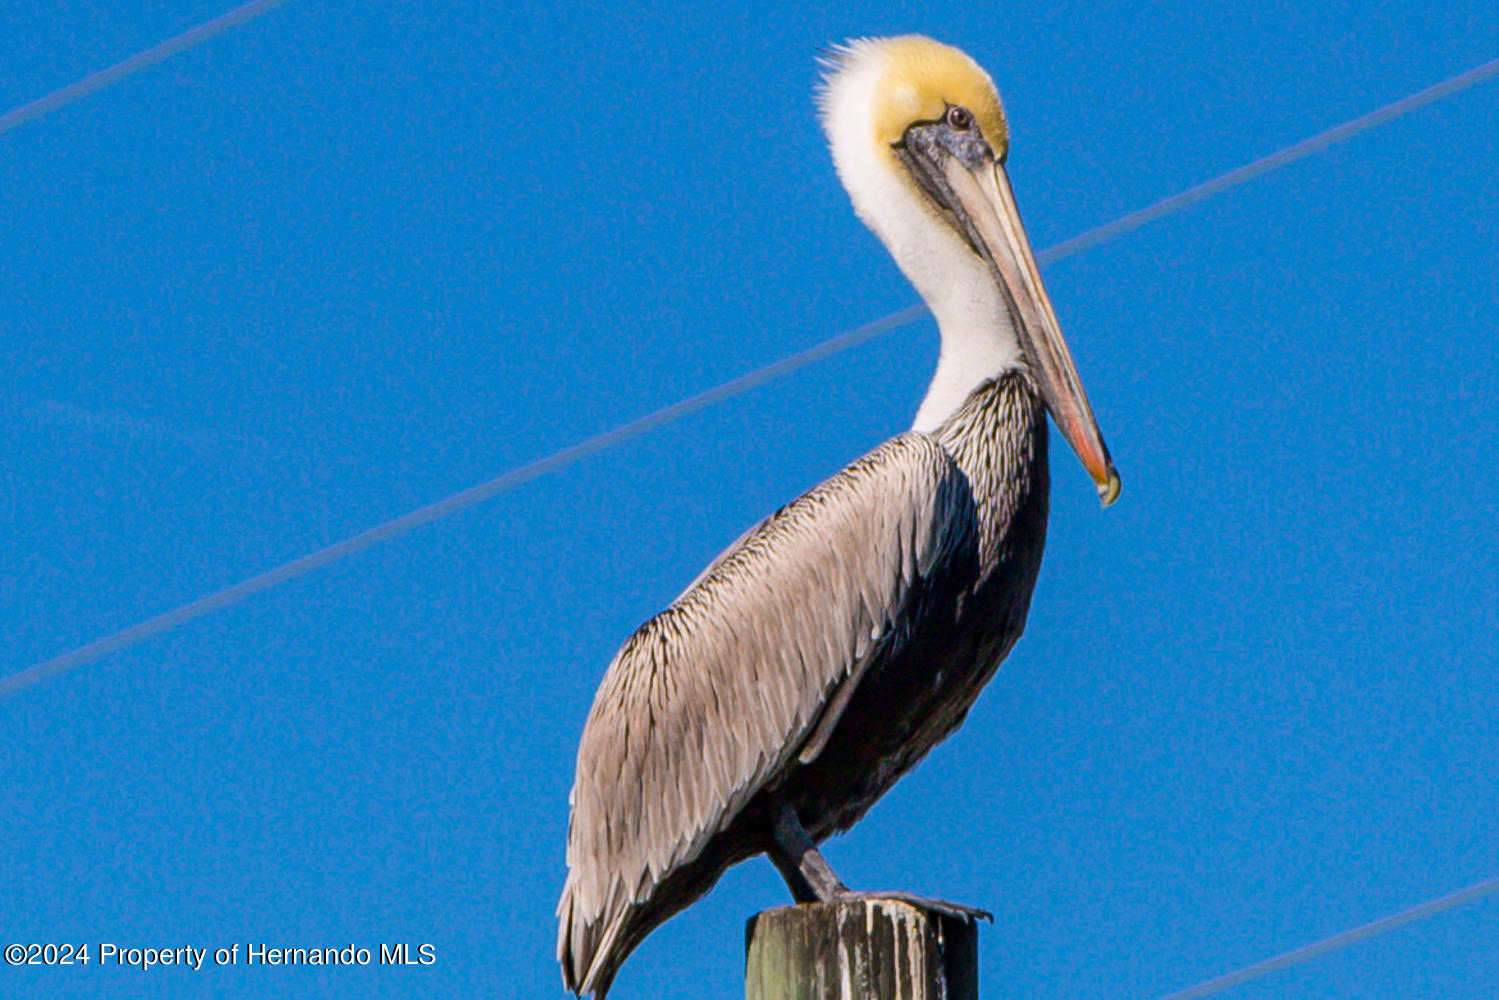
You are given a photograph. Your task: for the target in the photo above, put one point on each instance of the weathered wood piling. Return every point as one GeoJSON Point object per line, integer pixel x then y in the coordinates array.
{"type": "Point", "coordinates": [866, 949]}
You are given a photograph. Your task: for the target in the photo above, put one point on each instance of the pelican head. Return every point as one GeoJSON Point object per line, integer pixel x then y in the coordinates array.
{"type": "Point", "coordinates": [919, 139]}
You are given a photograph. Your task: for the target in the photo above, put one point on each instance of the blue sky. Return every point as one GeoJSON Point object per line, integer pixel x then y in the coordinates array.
{"type": "Point", "coordinates": [350, 258]}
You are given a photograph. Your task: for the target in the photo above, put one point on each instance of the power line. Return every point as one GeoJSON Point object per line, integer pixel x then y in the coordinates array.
{"type": "Point", "coordinates": [641, 425]}
{"type": "Point", "coordinates": [451, 505]}
{"type": "Point", "coordinates": [1337, 942]}
{"type": "Point", "coordinates": [104, 77]}
{"type": "Point", "coordinates": [1265, 164]}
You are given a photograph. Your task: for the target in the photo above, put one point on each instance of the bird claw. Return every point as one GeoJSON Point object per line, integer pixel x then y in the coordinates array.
{"type": "Point", "coordinates": [972, 914]}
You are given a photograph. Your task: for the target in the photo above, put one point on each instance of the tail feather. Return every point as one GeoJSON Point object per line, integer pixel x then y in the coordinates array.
{"type": "Point", "coordinates": [587, 949]}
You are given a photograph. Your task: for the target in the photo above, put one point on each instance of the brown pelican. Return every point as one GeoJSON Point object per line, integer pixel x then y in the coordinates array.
{"type": "Point", "coordinates": [836, 642]}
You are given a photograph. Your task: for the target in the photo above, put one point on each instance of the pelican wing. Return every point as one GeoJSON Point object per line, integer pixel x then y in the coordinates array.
{"type": "Point", "coordinates": [709, 701]}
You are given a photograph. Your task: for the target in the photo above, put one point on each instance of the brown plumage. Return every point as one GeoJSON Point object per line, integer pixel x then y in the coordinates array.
{"type": "Point", "coordinates": [888, 594]}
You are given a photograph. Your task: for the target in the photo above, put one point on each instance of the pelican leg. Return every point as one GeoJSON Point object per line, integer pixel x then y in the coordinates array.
{"type": "Point", "coordinates": [807, 873]}
{"type": "Point", "coordinates": [812, 880]}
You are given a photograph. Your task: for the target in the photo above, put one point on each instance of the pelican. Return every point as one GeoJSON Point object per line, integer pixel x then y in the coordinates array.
{"type": "Point", "coordinates": [826, 651]}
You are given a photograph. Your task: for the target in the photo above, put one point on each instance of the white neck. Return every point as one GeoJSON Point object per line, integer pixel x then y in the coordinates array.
{"type": "Point", "coordinates": [978, 343]}
{"type": "Point", "coordinates": [978, 339]}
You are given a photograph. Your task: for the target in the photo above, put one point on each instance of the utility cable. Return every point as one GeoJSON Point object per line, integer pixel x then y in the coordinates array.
{"type": "Point", "coordinates": [1337, 942]}
{"type": "Point", "coordinates": [103, 78]}
{"type": "Point", "coordinates": [735, 387]}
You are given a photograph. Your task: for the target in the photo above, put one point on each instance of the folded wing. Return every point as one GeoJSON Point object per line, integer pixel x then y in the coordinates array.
{"type": "Point", "coordinates": [710, 700]}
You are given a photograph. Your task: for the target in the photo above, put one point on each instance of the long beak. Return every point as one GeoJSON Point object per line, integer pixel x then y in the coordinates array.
{"type": "Point", "coordinates": [983, 196]}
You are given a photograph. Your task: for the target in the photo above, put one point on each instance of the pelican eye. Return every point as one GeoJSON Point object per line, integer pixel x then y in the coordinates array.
{"type": "Point", "coordinates": [959, 119]}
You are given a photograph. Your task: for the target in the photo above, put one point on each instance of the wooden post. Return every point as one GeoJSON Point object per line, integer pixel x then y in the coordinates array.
{"type": "Point", "coordinates": [866, 949]}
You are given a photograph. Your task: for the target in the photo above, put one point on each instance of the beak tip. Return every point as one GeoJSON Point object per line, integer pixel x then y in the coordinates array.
{"type": "Point", "coordinates": [1109, 488]}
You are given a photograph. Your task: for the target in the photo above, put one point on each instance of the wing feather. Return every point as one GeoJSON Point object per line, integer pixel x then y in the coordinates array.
{"type": "Point", "coordinates": [709, 700]}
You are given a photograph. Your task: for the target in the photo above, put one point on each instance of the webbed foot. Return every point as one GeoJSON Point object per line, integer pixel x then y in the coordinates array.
{"type": "Point", "coordinates": [972, 914]}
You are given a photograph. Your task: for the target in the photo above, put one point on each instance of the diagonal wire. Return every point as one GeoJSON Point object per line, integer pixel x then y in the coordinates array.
{"type": "Point", "coordinates": [558, 460]}
{"type": "Point", "coordinates": [103, 78]}
{"type": "Point", "coordinates": [1338, 941]}
{"type": "Point", "coordinates": [453, 504]}
{"type": "Point", "coordinates": [1265, 164]}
